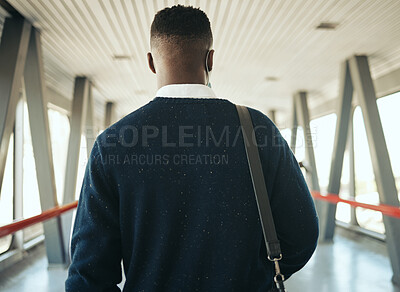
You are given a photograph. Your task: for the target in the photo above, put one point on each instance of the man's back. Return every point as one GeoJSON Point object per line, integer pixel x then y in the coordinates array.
{"type": "Point", "coordinates": [168, 191]}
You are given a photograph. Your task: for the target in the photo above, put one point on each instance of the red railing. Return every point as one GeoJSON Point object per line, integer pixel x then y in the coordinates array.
{"type": "Point", "coordinates": [45, 215]}
{"type": "Point", "coordinates": [57, 211]}
{"type": "Point", "coordinates": [334, 199]}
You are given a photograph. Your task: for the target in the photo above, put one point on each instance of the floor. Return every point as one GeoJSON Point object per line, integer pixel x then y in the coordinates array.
{"type": "Point", "coordinates": [353, 263]}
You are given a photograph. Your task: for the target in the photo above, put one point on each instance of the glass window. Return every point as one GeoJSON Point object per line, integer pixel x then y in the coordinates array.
{"type": "Point", "coordinates": [300, 146]}
{"type": "Point", "coordinates": [366, 190]}
{"type": "Point", "coordinates": [6, 196]}
{"type": "Point", "coordinates": [323, 135]}
{"type": "Point", "coordinates": [59, 133]}
{"type": "Point", "coordinates": [388, 109]}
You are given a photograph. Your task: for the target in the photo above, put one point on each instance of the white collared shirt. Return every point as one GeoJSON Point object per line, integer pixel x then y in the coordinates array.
{"type": "Point", "coordinates": [186, 90]}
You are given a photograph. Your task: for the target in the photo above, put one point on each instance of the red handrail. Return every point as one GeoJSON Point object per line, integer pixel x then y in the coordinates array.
{"type": "Point", "coordinates": [383, 208]}
{"type": "Point", "coordinates": [57, 211]}
{"type": "Point", "coordinates": [45, 215]}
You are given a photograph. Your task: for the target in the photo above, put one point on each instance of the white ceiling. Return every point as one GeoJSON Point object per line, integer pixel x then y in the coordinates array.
{"type": "Point", "coordinates": [253, 40]}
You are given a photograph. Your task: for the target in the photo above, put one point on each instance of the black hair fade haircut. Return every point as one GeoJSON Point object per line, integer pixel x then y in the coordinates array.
{"type": "Point", "coordinates": [183, 26]}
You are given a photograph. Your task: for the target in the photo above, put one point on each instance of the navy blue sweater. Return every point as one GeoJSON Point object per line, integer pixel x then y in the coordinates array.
{"type": "Point", "coordinates": [167, 190]}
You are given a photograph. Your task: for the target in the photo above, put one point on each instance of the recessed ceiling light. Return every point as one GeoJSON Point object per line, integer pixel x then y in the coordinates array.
{"type": "Point", "coordinates": [271, 78]}
{"type": "Point", "coordinates": [121, 57]}
{"type": "Point", "coordinates": [140, 91]}
{"type": "Point", "coordinates": [327, 25]}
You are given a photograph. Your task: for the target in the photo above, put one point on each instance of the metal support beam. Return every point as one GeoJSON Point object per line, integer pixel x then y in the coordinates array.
{"type": "Point", "coordinates": [109, 114]}
{"type": "Point", "coordinates": [90, 129]}
{"type": "Point", "coordinates": [361, 76]}
{"type": "Point", "coordinates": [384, 85]}
{"type": "Point", "coordinates": [55, 99]}
{"type": "Point", "coordinates": [18, 238]}
{"type": "Point", "coordinates": [272, 115]}
{"type": "Point", "coordinates": [327, 219]}
{"type": "Point", "coordinates": [77, 122]}
{"type": "Point", "coordinates": [10, 9]}
{"type": "Point", "coordinates": [38, 119]}
{"type": "Point", "coordinates": [78, 118]}
{"type": "Point", "coordinates": [293, 136]}
{"type": "Point", "coordinates": [13, 49]}
{"type": "Point", "coordinates": [304, 119]}
{"type": "Point", "coordinates": [301, 114]}
{"type": "Point", "coordinates": [352, 174]}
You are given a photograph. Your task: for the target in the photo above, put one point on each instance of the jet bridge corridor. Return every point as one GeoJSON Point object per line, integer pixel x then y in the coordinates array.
{"type": "Point", "coordinates": [327, 73]}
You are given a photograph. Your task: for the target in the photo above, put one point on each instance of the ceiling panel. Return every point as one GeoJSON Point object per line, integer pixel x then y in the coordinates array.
{"type": "Point", "coordinates": [265, 50]}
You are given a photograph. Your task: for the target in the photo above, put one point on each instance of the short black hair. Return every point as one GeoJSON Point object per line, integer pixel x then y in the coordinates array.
{"type": "Point", "coordinates": [183, 25]}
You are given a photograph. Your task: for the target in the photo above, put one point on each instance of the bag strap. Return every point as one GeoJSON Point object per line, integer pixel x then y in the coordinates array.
{"type": "Point", "coordinates": [261, 194]}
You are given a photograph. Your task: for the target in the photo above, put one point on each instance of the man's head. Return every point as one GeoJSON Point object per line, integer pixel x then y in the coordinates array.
{"type": "Point", "coordinates": [181, 40]}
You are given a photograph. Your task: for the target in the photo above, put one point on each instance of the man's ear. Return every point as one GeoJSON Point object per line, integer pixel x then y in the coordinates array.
{"type": "Point", "coordinates": [151, 62]}
{"type": "Point", "coordinates": [210, 60]}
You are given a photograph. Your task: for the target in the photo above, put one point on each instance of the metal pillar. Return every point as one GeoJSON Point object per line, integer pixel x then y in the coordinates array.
{"type": "Point", "coordinates": [303, 116]}
{"type": "Point", "coordinates": [272, 115]}
{"type": "Point", "coordinates": [361, 76]}
{"type": "Point", "coordinates": [39, 123]}
{"type": "Point", "coordinates": [78, 117]}
{"type": "Point", "coordinates": [355, 72]}
{"type": "Point", "coordinates": [77, 122]}
{"type": "Point", "coordinates": [293, 136]}
{"type": "Point", "coordinates": [90, 129]}
{"type": "Point", "coordinates": [304, 119]}
{"type": "Point", "coordinates": [13, 49]}
{"type": "Point", "coordinates": [352, 180]}
{"type": "Point", "coordinates": [18, 239]}
{"type": "Point", "coordinates": [327, 219]}
{"type": "Point", "coordinates": [109, 114]}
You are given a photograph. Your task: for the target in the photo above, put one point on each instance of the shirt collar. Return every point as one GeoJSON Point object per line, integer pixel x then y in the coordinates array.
{"type": "Point", "coordinates": [185, 90]}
